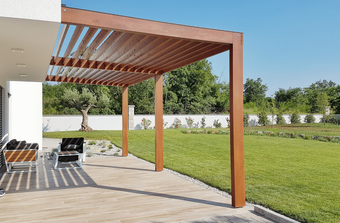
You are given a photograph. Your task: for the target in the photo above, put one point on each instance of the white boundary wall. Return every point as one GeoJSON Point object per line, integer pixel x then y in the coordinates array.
{"type": "Point", "coordinates": [114, 122]}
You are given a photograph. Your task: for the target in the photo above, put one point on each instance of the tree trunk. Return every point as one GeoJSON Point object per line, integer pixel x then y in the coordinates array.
{"type": "Point", "coordinates": [84, 125]}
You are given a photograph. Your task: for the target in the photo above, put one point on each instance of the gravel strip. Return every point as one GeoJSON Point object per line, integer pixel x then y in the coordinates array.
{"type": "Point", "coordinates": [195, 181]}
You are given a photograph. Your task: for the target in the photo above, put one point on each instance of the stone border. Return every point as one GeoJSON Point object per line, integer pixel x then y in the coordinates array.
{"type": "Point", "coordinates": [273, 215]}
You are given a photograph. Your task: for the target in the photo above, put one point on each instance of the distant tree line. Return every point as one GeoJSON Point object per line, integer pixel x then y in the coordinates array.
{"type": "Point", "coordinates": [193, 89]}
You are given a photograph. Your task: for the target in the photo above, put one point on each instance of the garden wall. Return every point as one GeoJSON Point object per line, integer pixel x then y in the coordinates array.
{"type": "Point", "coordinates": [114, 122]}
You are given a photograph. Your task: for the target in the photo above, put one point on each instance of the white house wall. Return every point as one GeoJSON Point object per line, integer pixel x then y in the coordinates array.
{"type": "Point", "coordinates": [26, 111]}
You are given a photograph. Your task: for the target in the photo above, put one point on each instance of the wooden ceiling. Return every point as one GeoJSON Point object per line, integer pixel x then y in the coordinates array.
{"type": "Point", "coordinates": [106, 49]}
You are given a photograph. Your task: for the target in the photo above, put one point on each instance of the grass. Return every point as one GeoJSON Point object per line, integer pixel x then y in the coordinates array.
{"type": "Point", "coordinates": [298, 178]}
{"type": "Point", "coordinates": [308, 129]}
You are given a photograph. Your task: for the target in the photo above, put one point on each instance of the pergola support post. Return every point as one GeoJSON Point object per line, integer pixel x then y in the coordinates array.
{"type": "Point", "coordinates": [159, 122]}
{"type": "Point", "coordinates": [125, 114]}
{"type": "Point", "coordinates": [236, 122]}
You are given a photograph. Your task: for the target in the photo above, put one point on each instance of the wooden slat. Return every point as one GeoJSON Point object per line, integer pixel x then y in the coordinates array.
{"type": "Point", "coordinates": [62, 36]}
{"type": "Point", "coordinates": [119, 44]}
{"type": "Point", "coordinates": [198, 57]}
{"type": "Point", "coordinates": [181, 56]}
{"type": "Point", "coordinates": [91, 49]}
{"type": "Point", "coordinates": [95, 65]}
{"type": "Point", "coordinates": [137, 50]}
{"type": "Point", "coordinates": [107, 43]}
{"type": "Point", "coordinates": [166, 48]}
{"type": "Point", "coordinates": [71, 44]}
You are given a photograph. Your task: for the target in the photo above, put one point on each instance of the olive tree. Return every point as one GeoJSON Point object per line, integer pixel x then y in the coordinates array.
{"type": "Point", "coordinates": [83, 102]}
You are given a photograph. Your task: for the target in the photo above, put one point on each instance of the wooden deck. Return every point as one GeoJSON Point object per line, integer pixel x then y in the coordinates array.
{"type": "Point", "coordinates": [112, 189]}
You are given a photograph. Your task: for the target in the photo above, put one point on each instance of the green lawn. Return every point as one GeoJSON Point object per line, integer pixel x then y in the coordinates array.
{"type": "Point", "coordinates": [309, 129]}
{"type": "Point", "coordinates": [298, 178]}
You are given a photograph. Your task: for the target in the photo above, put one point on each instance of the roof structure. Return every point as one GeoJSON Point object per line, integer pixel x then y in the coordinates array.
{"type": "Point", "coordinates": [112, 50]}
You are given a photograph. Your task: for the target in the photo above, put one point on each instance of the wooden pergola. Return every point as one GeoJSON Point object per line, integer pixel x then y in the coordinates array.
{"type": "Point", "coordinates": [122, 51]}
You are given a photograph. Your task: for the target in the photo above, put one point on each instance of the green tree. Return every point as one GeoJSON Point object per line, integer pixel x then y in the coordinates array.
{"type": "Point", "coordinates": [254, 90]}
{"type": "Point", "coordinates": [188, 90]}
{"type": "Point", "coordinates": [83, 102]}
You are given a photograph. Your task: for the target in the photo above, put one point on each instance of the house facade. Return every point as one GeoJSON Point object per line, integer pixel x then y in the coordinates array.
{"type": "Point", "coordinates": [28, 33]}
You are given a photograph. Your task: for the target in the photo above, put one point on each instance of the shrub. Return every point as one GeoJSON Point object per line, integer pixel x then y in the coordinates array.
{"type": "Point", "coordinates": [263, 119]}
{"type": "Point", "coordinates": [309, 118]}
{"type": "Point", "coordinates": [89, 154]}
{"type": "Point", "coordinates": [333, 140]}
{"type": "Point", "coordinates": [209, 132]}
{"type": "Point", "coordinates": [279, 118]}
{"type": "Point", "coordinates": [177, 124]}
{"type": "Point", "coordinates": [145, 123]}
{"type": "Point", "coordinates": [330, 119]}
{"type": "Point", "coordinates": [294, 118]}
{"type": "Point", "coordinates": [228, 122]}
{"type": "Point", "coordinates": [190, 122]}
{"type": "Point", "coordinates": [203, 122]}
{"type": "Point", "coordinates": [217, 124]}
{"type": "Point", "coordinates": [184, 131]}
{"type": "Point", "coordinates": [245, 120]}
{"type": "Point", "coordinates": [322, 139]}
{"type": "Point", "coordinates": [92, 143]}
{"type": "Point", "coordinates": [103, 150]}
{"type": "Point", "coordinates": [307, 137]}
{"type": "Point", "coordinates": [164, 124]}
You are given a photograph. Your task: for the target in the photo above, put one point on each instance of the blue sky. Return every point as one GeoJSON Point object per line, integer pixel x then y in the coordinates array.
{"type": "Point", "coordinates": [287, 43]}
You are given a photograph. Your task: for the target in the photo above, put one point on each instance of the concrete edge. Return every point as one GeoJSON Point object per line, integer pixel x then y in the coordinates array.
{"type": "Point", "coordinates": [273, 215]}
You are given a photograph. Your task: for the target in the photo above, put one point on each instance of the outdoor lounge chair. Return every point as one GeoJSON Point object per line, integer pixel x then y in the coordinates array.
{"type": "Point", "coordinates": [73, 144]}
{"type": "Point", "coordinates": [21, 154]}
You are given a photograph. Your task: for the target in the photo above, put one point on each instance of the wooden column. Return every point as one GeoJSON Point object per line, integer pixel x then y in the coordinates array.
{"type": "Point", "coordinates": [236, 122]}
{"type": "Point", "coordinates": [125, 114]}
{"type": "Point", "coordinates": [159, 122]}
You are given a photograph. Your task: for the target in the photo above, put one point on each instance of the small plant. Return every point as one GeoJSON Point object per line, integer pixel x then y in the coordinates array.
{"type": "Point", "coordinates": [115, 154]}
{"type": "Point", "coordinates": [103, 146]}
{"type": "Point", "coordinates": [217, 124]}
{"type": "Point", "coordinates": [177, 123]}
{"type": "Point", "coordinates": [263, 119]}
{"type": "Point", "coordinates": [89, 154]}
{"type": "Point", "coordinates": [245, 120]}
{"type": "Point", "coordinates": [279, 118]}
{"type": "Point", "coordinates": [164, 124]}
{"type": "Point", "coordinates": [110, 146]}
{"type": "Point", "coordinates": [307, 137]}
{"type": "Point", "coordinates": [322, 139]}
{"type": "Point", "coordinates": [145, 123]}
{"type": "Point", "coordinates": [209, 132]}
{"type": "Point", "coordinates": [309, 118]}
{"type": "Point", "coordinates": [184, 131]}
{"type": "Point", "coordinates": [53, 151]}
{"type": "Point", "coordinates": [294, 118]}
{"type": "Point", "coordinates": [88, 148]}
{"type": "Point", "coordinates": [190, 122]}
{"type": "Point", "coordinates": [203, 122]}
{"type": "Point", "coordinates": [228, 122]}
{"type": "Point", "coordinates": [92, 143]}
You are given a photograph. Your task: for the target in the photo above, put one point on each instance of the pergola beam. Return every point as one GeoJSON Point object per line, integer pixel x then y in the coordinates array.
{"type": "Point", "coordinates": [125, 114]}
{"type": "Point", "coordinates": [236, 123]}
{"type": "Point", "coordinates": [94, 65]}
{"type": "Point", "coordinates": [159, 122]}
{"type": "Point", "coordinates": [141, 26]}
